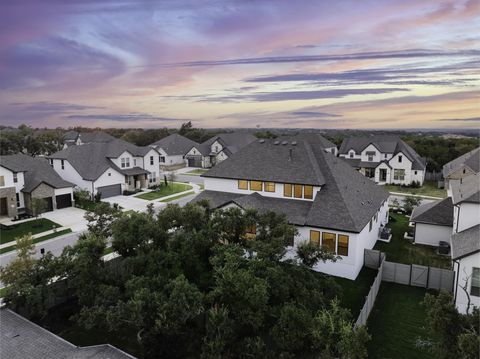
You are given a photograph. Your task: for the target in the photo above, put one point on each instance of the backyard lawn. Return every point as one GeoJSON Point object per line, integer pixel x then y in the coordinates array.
{"type": "Point", "coordinates": [429, 188]}
{"type": "Point", "coordinates": [355, 291]}
{"type": "Point", "coordinates": [402, 251]}
{"type": "Point", "coordinates": [397, 323]}
{"type": "Point", "coordinates": [33, 227]}
{"type": "Point", "coordinates": [164, 191]}
{"type": "Point", "coordinates": [196, 172]}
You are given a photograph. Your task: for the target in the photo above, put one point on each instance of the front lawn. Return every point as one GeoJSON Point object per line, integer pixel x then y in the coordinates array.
{"type": "Point", "coordinates": [354, 291]}
{"type": "Point", "coordinates": [402, 251]}
{"type": "Point", "coordinates": [38, 240]}
{"type": "Point", "coordinates": [397, 323]}
{"type": "Point", "coordinates": [429, 188]}
{"type": "Point", "coordinates": [87, 205]}
{"type": "Point", "coordinates": [164, 191]}
{"type": "Point", "coordinates": [177, 197]}
{"type": "Point", "coordinates": [197, 172]}
{"type": "Point", "coordinates": [33, 227]}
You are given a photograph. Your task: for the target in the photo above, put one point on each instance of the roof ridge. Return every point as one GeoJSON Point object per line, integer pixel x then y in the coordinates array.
{"type": "Point", "coordinates": [313, 160]}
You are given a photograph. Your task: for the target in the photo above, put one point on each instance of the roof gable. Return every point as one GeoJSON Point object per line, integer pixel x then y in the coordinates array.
{"type": "Point", "coordinates": [175, 144]}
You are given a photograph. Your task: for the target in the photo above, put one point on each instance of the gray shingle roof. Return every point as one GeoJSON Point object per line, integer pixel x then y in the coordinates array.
{"type": "Point", "coordinates": [466, 189]}
{"type": "Point", "coordinates": [96, 136]}
{"type": "Point", "coordinates": [36, 170]}
{"type": "Point", "coordinates": [347, 200]}
{"type": "Point", "coordinates": [385, 144]}
{"type": "Point", "coordinates": [438, 212]}
{"type": "Point", "coordinates": [234, 141]}
{"type": "Point", "coordinates": [466, 242]}
{"type": "Point", "coordinates": [93, 159]}
{"type": "Point", "coordinates": [315, 138]}
{"type": "Point", "coordinates": [175, 144]}
{"type": "Point", "coordinates": [470, 159]}
{"type": "Point", "coordinates": [20, 338]}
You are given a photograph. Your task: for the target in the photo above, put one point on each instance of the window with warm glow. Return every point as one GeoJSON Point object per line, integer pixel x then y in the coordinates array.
{"type": "Point", "coordinates": [251, 232]}
{"type": "Point", "coordinates": [269, 186]}
{"type": "Point", "coordinates": [255, 185]}
{"type": "Point", "coordinates": [242, 184]}
{"type": "Point", "coordinates": [315, 238]}
{"type": "Point", "coordinates": [342, 245]}
{"type": "Point", "coordinates": [308, 192]}
{"type": "Point", "coordinates": [287, 190]}
{"type": "Point", "coordinates": [297, 190]}
{"type": "Point", "coordinates": [328, 241]}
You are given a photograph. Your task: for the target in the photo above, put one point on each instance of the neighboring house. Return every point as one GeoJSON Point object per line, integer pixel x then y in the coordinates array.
{"type": "Point", "coordinates": [384, 159]}
{"type": "Point", "coordinates": [173, 149]}
{"type": "Point", "coordinates": [21, 338]}
{"type": "Point", "coordinates": [328, 202]}
{"type": "Point", "coordinates": [217, 149]}
{"type": "Point", "coordinates": [433, 222]}
{"type": "Point", "coordinates": [72, 138]}
{"type": "Point", "coordinates": [463, 166]}
{"type": "Point", "coordinates": [108, 167]}
{"type": "Point", "coordinates": [23, 178]}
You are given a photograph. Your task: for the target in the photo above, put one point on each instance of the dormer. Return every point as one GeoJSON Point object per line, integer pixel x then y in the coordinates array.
{"type": "Point", "coordinates": [351, 153]}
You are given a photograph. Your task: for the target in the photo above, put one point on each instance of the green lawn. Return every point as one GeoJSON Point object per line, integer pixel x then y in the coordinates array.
{"type": "Point", "coordinates": [33, 227]}
{"type": "Point", "coordinates": [164, 191]}
{"type": "Point", "coordinates": [197, 172]}
{"type": "Point", "coordinates": [354, 291]}
{"type": "Point", "coordinates": [177, 197]}
{"type": "Point", "coordinates": [402, 251]}
{"type": "Point", "coordinates": [397, 322]}
{"type": "Point", "coordinates": [429, 188]}
{"type": "Point", "coordinates": [38, 240]}
{"type": "Point", "coordinates": [87, 205]}
{"type": "Point", "coordinates": [2, 291]}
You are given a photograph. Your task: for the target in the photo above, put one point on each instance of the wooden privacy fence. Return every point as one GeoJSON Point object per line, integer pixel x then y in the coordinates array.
{"type": "Point", "coordinates": [408, 274]}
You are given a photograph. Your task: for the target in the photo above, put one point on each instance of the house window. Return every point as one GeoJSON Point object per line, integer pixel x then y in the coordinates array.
{"type": "Point", "coordinates": [256, 185]}
{"type": "Point", "coordinates": [153, 177]}
{"type": "Point", "coordinates": [475, 286]}
{"type": "Point", "coordinates": [370, 225]}
{"type": "Point", "coordinates": [351, 154]}
{"type": "Point", "coordinates": [370, 158]}
{"type": "Point", "coordinates": [251, 232]}
{"type": "Point", "coordinates": [15, 178]}
{"type": "Point", "coordinates": [415, 172]}
{"type": "Point", "coordinates": [62, 162]}
{"type": "Point", "coordinates": [385, 155]}
{"type": "Point", "coordinates": [162, 159]}
{"type": "Point", "coordinates": [242, 184]}
{"type": "Point", "coordinates": [400, 159]}
{"type": "Point", "coordinates": [51, 162]}
{"type": "Point", "coordinates": [287, 190]}
{"type": "Point", "coordinates": [328, 241]}
{"type": "Point", "coordinates": [151, 160]}
{"type": "Point", "coordinates": [109, 174]}
{"type": "Point", "coordinates": [290, 239]}
{"type": "Point", "coordinates": [399, 175]}
{"type": "Point", "coordinates": [269, 186]}
{"type": "Point", "coordinates": [123, 162]}
{"type": "Point", "coordinates": [2, 181]}
{"type": "Point", "coordinates": [216, 148]}
{"type": "Point", "coordinates": [342, 245]}
{"type": "Point", "coordinates": [18, 199]}
{"type": "Point", "coordinates": [297, 190]}
{"type": "Point", "coordinates": [315, 238]}
{"type": "Point", "coordinates": [308, 192]}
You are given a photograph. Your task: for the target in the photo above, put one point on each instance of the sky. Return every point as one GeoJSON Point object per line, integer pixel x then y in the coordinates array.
{"type": "Point", "coordinates": [240, 63]}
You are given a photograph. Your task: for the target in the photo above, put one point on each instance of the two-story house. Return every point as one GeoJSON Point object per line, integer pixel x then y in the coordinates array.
{"type": "Point", "coordinates": [23, 178]}
{"type": "Point", "coordinates": [329, 203]}
{"type": "Point", "coordinates": [108, 167]}
{"type": "Point", "coordinates": [173, 149]}
{"type": "Point", "coordinates": [463, 166]}
{"type": "Point", "coordinates": [384, 159]}
{"type": "Point", "coordinates": [217, 149]}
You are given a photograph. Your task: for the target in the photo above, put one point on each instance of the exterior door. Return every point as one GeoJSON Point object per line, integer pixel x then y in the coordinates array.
{"type": "Point", "coordinates": [383, 175]}
{"type": "Point", "coordinates": [3, 207]}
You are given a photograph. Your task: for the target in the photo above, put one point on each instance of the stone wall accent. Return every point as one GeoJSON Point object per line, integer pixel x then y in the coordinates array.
{"type": "Point", "coordinates": [10, 194]}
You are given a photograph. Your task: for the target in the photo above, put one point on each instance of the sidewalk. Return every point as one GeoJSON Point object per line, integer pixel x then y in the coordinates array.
{"type": "Point", "coordinates": [35, 236]}
{"type": "Point", "coordinates": [414, 195]}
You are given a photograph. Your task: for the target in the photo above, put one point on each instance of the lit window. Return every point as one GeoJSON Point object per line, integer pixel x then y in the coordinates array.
{"type": "Point", "coordinates": [400, 158]}
{"type": "Point", "coordinates": [475, 287]}
{"type": "Point", "coordinates": [287, 190]}
{"type": "Point", "coordinates": [256, 185]}
{"type": "Point", "coordinates": [399, 175]}
{"type": "Point", "coordinates": [242, 184]}
{"type": "Point", "coordinates": [297, 190]}
{"type": "Point", "coordinates": [315, 238]}
{"type": "Point", "coordinates": [342, 245]}
{"type": "Point", "coordinates": [308, 192]}
{"type": "Point", "coordinates": [328, 241]}
{"type": "Point", "coordinates": [269, 186]}
{"type": "Point", "coordinates": [15, 178]}
{"type": "Point", "coordinates": [251, 232]}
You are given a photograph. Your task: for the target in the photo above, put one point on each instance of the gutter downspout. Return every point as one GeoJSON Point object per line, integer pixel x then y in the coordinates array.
{"type": "Point", "coordinates": [456, 282]}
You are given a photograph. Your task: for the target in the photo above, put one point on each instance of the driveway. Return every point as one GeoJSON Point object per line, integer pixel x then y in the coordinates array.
{"type": "Point", "coordinates": [70, 217]}
{"type": "Point", "coordinates": [128, 202]}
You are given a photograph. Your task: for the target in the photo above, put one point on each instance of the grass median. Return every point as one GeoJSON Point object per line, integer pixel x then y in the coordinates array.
{"type": "Point", "coordinates": [165, 191]}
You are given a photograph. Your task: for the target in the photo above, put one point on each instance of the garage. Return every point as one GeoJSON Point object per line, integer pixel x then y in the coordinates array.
{"type": "Point", "coordinates": [63, 201]}
{"type": "Point", "coordinates": [195, 161]}
{"type": "Point", "coordinates": [110, 191]}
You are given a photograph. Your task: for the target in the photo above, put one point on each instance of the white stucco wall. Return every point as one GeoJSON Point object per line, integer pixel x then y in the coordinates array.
{"type": "Point", "coordinates": [108, 178]}
{"type": "Point", "coordinates": [231, 186]}
{"type": "Point", "coordinates": [216, 147]}
{"type": "Point", "coordinates": [406, 164]}
{"type": "Point", "coordinates": [371, 148]}
{"type": "Point", "coordinates": [60, 191]}
{"type": "Point", "coordinates": [8, 179]}
{"type": "Point", "coordinates": [126, 155]}
{"type": "Point", "coordinates": [466, 215]}
{"type": "Point", "coordinates": [431, 235]}
{"type": "Point", "coordinates": [70, 174]}
{"type": "Point", "coordinates": [155, 168]}
{"type": "Point", "coordinates": [464, 271]}
{"type": "Point", "coordinates": [419, 176]}
{"type": "Point", "coordinates": [222, 156]}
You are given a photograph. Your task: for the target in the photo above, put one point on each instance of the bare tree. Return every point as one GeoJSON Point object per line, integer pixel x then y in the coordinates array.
{"type": "Point", "coordinates": [465, 289]}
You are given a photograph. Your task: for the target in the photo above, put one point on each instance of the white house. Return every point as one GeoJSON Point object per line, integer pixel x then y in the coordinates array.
{"type": "Point", "coordinates": [72, 138]}
{"type": "Point", "coordinates": [23, 178]}
{"type": "Point", "coordinates": [384, 159]}
{"type": "Point", "coordinates": [173, 149]}
{"type": "Point", "coordinates": [463, 166]}
{"type": "Point", "coordinates": [433, 222]}
{"type": "Point", "coordinates": [108, 167]}
{"type": "Point", "coordinates": [328, 202]}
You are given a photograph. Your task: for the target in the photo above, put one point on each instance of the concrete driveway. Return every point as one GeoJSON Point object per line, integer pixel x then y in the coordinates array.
{"type": "Point", "coordinates": [128, 202]}
{"type": "Point", "coordinates": [70, 217]}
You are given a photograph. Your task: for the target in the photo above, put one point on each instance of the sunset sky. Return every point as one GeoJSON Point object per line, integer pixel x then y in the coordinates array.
{"type": "Point", "coordinates": [225, 63]}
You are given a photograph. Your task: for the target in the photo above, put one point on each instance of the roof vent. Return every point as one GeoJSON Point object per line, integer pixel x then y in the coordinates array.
{"type": "Point", "coordinates": [362, 203]}
{"type": "Point", "coordinates": [262, 140]}
{"type": "Point", "coordinates": [276, 143]}
{"type": "Point", "coordinates": [284, 143]}
{"type": "Point", "coordinates": [294, 143]}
